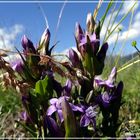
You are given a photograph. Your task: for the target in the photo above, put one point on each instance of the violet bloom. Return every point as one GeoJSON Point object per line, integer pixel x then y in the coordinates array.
{"type": "Point", "coordinates": [67, 88]}
{"type": "Point", "coordinates": [78, 32]}
{"type": "Point", "coordinates": [102, 53]}
{"type": "Point", "coordinates": [84, 39]}
{"type": "Point", "coordinates": [104, 99]}
{"type": "Point", "coordinates": [25, 117]}
{"type": "Point", "coordinates": [74, 58]}
{"type": "Point", "coordinates": [18, 67]}
{"type": "Point", "coordinates": [88, 117]}
{"type": "Point", "coordinates": [89, 40]}
{"type": "Point", "coordinates": [27, 45]}
{"type": "Point", "coordinates": [109, 83]}
{"type": "Point", "coordinates": [57, 107]}
{"type": "Point", "coordinates": [53, 127]}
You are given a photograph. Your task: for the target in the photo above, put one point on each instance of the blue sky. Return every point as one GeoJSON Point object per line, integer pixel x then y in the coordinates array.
{"type": "Point", "coordinates": [17, 19]}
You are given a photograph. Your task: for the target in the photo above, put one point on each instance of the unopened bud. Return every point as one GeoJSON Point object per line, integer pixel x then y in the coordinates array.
{"type": "Point", "coordinates": [90, 23]}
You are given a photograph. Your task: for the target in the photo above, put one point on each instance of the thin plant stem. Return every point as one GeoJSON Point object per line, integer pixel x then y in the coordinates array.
{"type": "Point", "coordinates": [116, 15]}
{"type": "Point", "coordinates": [129, 65]}
{"type": "Point", "coordinates": [122, 19]}
{"type": "Point", "coordinates": [97, 9]}
{"type": "Point", "coordinates": [115, 43]}
{"type": "Point", "coordinates": [121, 50]}
{"type": "Point", "coordinates": [129, 61]}
{"type": "Point", "coordinates": [106, 12]}
{"type": "Point", "coordinates": [109, 23]}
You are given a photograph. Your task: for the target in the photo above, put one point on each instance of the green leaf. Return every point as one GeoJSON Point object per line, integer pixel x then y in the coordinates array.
{"type": "Point", "coordinates": [69, 119]}
{"type": "Point", "coordinates": [88, 63]}
{"type": "Point", "coordinates": [44, 87]}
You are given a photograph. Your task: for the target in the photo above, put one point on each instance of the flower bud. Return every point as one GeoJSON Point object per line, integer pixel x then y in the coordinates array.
{"type": "Point", "coordinates": [27, 45]}
{"type": "Point", "coordinates": [18, 67]}
{"type": "Point", "coordinates": [74, 58]}
{"type": "Point", "coordinates": [90, 23]}
{"type": "Point", "coordinates": [78, 32]}
{"type": "Point", "coordinates": [44, 42]}
{"type": "Point", "coordinates": [102, 53]}
{"type": "Point", "coordinates": [53, 127]}
{"type": "Point", "coordinates": [67, 88]}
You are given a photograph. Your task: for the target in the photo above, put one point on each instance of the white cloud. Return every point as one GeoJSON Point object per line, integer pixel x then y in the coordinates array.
{"type": "Point", "coordinates": [13, 58]}
{"type": "Point", "coordinates": [137, 17]}
{"type": "Point", "coordinates": [107, 21]}
{"type": "Point", "coordinates": [132, 33]}
{"type": "Point", "coordinates": [128, 5]}
{"type": "Point", "coordinates": [7, 38]}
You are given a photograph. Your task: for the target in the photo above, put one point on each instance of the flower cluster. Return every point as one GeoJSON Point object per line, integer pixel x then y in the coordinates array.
{"type": "Point", "coordinates": [70, 110]}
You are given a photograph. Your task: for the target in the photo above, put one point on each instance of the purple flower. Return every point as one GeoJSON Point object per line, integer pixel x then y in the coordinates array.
{"type": "Point", "coordinates": [109, 83]}
{"type": "Point", "coordinates": [78, 32]}
{"type": "Point", "coordinates": [25, 117]}
{"type": "Point", "coordinates": [88, 116]}
{"type": "Point", "coordinates": [102, 53]}
{"type": "Point", "coordinates": [67, 88]}
{"type": "Point", "coordinates": [104, 99]}
{"type": "Point", "coordinates": [18, 67]}
{"type": "Point", "coordinates": [56, 107]}
{"type": "Point", "coordinates": [27, 45]}
{"type": "Point", "coordinates": [107, 98]}
{"type": "Point", "coordinates": [74, 58]}
{"type": "Point", "coordinates": [91, 41]}
{"type": "Point", "coordinates": [53, 127]}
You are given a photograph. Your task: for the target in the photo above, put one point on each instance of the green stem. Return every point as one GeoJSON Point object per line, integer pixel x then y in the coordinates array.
{"type": "Point", "coordinates": [117, 60]}
{"type": "Point", "coordinates": [106, 12]}
{"type": "Point", "coordinates": [109, 23]}
{"type": "Point", "coordinates": [120, 21]}
{"type": "Point", "coordinates": [116, 15]}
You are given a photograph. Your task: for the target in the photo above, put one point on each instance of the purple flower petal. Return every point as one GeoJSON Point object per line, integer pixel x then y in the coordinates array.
{"type": "Point", "coordinates": [84, 121]}
{"type": "Point", "coordinates": [110, 81]}
{"type": "Point", "coordinates": [24, 115]}
{"type": "Point", "coordinates": [102, 53]}
{"type": "Point", "coordinates": [51, 110]}
{"type": "Point", "coordinates": [78, 32]}
{"type": "Point", "coordinates": [53, 127]}
{"type": "Point", "coordinates": [76, 108]}
{"type": "Point", "coordinates": [92, 37]}
{"type": "Point", "coordinates": [53, 101]}
{"type": "Point", "coordinates": [112, 76]}
{"type": "Point", "coordinates": [60, 115]}
{"type": "Point", "coordinates": [95, 46]}
{"type": "Point", "coordinates": [90, 112]}
{"type": "Point", "coordinates": [27, 45]}
{"type": "Point", "coordinates": [74, 58]}
{"type": "Point", "coordinates": [118, 93]}
{"type": "Point", "coordinates": [67, 88]}
{"type": "Point", "coordinates": [18, 67]}
{"type": "Point", "coordinates": [106, 99]}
